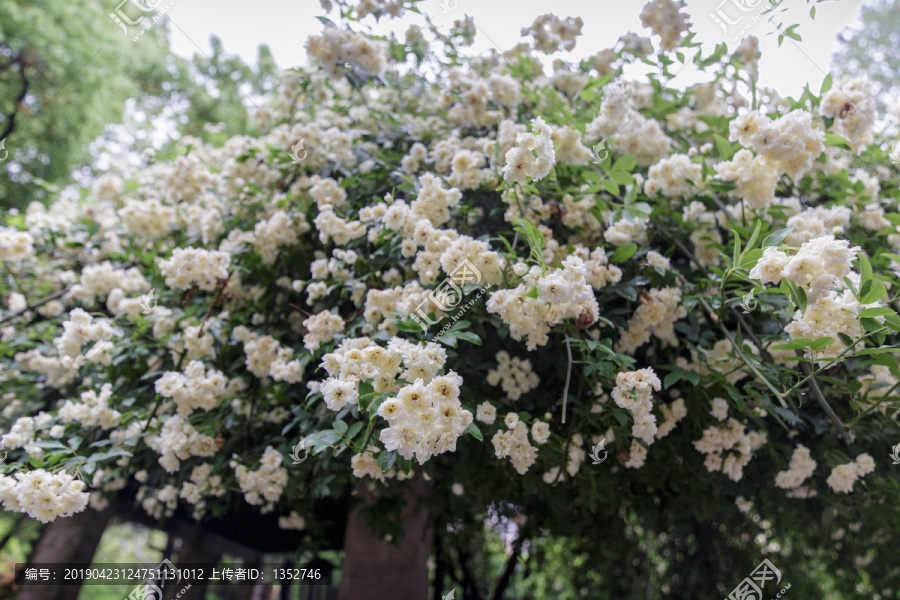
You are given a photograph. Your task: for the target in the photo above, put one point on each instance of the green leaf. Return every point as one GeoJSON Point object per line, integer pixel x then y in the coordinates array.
{"type": "Point", "coordinates": [754, 236]}
{"type": "Point", "coordinates": [876, 293]}
{"type": "Point", "coordinates": [793, 34]}
{"type": "Point", "coordinates": [621, 177]}
{"type": "Point", "coordinates": [626, 163]}
{"type": "Point", "coordinates": [672, 378]}
{"type": "Point", "coordinates": [723, 146]}
{"type": "Point", "coordinates": [751, 258]}
{"type": "Point", "coordinates": [532, 293]}
{"type": "Point", "coordinates": [340, 427]}
{"type": "Point", "coordinates": [473, 430]}
{"type": "Point", "coordinates": [796, 344]}
{"type": "Point", "coordinates": [469, 337]}
{"type": "Point", "coordinates": [865, 269]}
{"type": "Point", "coordinates": [878, 311]}
{"type": "Point", "coordinates": [822, 342]}
{"type": "Point", "coordinates": [386, 460]}
{"type": "Point", "coordinates": [611, 187]}
{"type": "Point", "coordinates": [354, 429]}
{"type": "Point", "coordinates": [845, 339]}
{"type": "Point", "coordinates": [827, 82]}
{"type": "Point", "coordinates": [737, 247]}
{"type": "Point", "coordinates": [623, 253]}
{"type": "Point", "coordinates": [832, 139]}
{"type": "Point", "coordinates": [775, 238]}
{"type": "Point", "coordinates": [405, 464]}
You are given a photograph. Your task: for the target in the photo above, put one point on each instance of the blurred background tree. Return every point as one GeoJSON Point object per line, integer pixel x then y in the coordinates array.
{"type": "Point", "coordinates": [873, 47]}
{"type": "Point", "coordinates": [68, 76]}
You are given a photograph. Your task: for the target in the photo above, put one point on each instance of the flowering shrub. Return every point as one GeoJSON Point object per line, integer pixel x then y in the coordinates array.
{"type": "Point", "coordinates": [722, 277]}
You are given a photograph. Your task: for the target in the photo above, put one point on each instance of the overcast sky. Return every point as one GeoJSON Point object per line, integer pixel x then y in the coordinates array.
{"type": "Point", "coordinates": [285, 25]}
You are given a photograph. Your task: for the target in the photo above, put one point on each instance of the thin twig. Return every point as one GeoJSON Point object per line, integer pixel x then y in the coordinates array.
{"type": "Point", "coordinates": [34, 305]}
{"type": "Point", "coordinates": [825, 406]}
{"type": "Point", "coordinates": [568, 377]}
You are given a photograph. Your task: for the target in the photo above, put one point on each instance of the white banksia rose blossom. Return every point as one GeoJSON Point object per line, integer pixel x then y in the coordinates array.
{"type": "Point", "coordinates": [195, 266]}
{"type": "Point", "coordinates": [719, 409]}
{"type": "Point", "coordinates": [799, 470]}
{"type": "Point", "coordinates": [667, 21]}
{"type": "Point", "coordinates": [540, 432]}
{"type": "Point", "coordinates": [552, 33]}
{"type": "Point", "coordinates": [42, 495]}
{"type": "Point", "coordinates": [521, 162]}
{"type": "Point", "coordinates": [322, 328]}
{"type": "Point", "coordinates": [486, 413]}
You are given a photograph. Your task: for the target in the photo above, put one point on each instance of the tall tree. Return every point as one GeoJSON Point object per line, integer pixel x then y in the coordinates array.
{"type": "Point", "coordinates": [873, 47]}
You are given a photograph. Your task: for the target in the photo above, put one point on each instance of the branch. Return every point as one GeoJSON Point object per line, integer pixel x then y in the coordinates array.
{"type": "Point", "coordinates": [508, 572]}
{"type": "Point", "coordinates": [825, 406]}
{"type": "Point", "coordinates": [34, 305]}
{"type": "Point", "coordinates": [19, 60]}
{"type": "Point", "coordinates": [568, 378]}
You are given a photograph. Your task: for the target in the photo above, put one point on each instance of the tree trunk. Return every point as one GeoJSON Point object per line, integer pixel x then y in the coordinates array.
{"type": "Point", "coordinates": [65, 541]}
{"type": "Point", "coordinates": [197, 546]}
{"type": "Point", "coordinates": [374, 569]}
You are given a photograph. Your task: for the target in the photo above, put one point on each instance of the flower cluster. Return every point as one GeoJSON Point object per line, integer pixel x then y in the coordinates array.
{"type": "Point", "coordinates": [337, 47]}
{"type": "Point", "coordinates": [634, 392]}
{"type": "Point", "coordinates": [561, 294]}
{"type": "Point", "coordinates": [799, 470]}
{"type": "Point", "coordinates": [514, 375]}
{"type": "Point", "coordinates": [852, 106]}
{"type": "Point", "coordinates": [666, 20]}
{"type": "Point", "coordinates": [521, 162]}
{"type": "Point", "coordinates": [655, 317]}
{"type": "Point", "coordinates": [263, 486]}
{"type": "Point", "coordinates": [15, 245]}
{"type": "Point", "coordinates": [425, 420]}
{"type": "Point", "coordinates": [552, 33]}
{"type": "Point", "coordinates": [843, 477]}
{"type": "Point", "coordinates": [322, 328]}
{"type": "Point", "coordinates": [789, 143]}
{"type": "Point", "coordinates": [82, 329]}
{"type": "Point", "coordinates": [731, 438]}
{"type": "Point", "coordinates": [194, 389]}
{"type": "Point", "coordinates": [42, 495]}
{"type": "Point", "coordinates": [195, 266]}
{"type": "Point", "coordinates": [93, 410]}
{"type": "Point", "coordinates": [267, 358]}
{"type": "Point", "coordinates": [513, 443]}
{"type": "Point", "coordinates": [178, 440]}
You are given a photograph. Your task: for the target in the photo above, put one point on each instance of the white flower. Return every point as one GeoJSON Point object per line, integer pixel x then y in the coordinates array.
{"type": "Point", "coordinates": [486, 413]}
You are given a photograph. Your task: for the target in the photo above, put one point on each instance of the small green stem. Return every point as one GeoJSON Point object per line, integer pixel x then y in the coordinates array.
{"type": "Point", "coordinates": [737, 350]}
{"type": "Point", "coordinates": [568, 378]}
